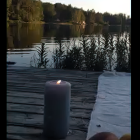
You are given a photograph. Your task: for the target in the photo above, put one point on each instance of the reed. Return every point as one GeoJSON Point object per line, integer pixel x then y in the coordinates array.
{"type": "Point", "coordinates": [98, 53]}
{"type": "Point", "coordinates": [41, 61]}
{"type": "Point", "coordinates": [58, 54]}
{"type": "Point", "coordinates": [123, 51]}
{"type": "Point", "coordinates": [73, 58]}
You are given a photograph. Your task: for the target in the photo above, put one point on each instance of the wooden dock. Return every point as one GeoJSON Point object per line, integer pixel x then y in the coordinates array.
{"type": "Point", "coordinates": [25, 89]}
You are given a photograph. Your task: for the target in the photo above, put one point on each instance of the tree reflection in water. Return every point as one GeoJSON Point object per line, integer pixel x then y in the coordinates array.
{"type": "Point", "coordinates": [97, 49]}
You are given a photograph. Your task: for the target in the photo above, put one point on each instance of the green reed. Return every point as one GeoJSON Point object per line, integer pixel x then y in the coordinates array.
{"type": "Point", "coordinates": [98, 53]}
{"type": "Point", "coordinates": [123, 51]}
{"type": "Point", "coordinates": [58, 54]}
{"type": "Point", "coordinates": [73, 58]}
{"type": "Point", "coordinates": [41, 61]}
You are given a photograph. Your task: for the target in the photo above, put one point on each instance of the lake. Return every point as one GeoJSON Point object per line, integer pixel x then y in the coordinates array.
{"type": "Point", "coordinates": [23, 39]}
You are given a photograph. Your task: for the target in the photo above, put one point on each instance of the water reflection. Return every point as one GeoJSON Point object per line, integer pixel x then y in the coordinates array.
{"type": "Point", "coordinates": [76, 47]}
{"type": "Point", "coordinates": [23, 35]}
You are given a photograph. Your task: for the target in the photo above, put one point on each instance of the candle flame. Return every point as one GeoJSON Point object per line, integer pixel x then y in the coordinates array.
{"type": "Point", "coordinates": [58, 82]}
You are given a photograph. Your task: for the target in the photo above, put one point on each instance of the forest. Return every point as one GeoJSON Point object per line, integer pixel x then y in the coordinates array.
{"type": "Point", "coordinates": [37, 11]}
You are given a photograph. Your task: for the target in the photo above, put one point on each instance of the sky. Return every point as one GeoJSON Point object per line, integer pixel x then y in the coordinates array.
{"type": "Point", "coordinates": [111, 6]}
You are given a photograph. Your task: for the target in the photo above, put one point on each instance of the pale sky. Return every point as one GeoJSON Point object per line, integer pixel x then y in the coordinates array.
{"type": "Point", "coordinates": [111, 6]}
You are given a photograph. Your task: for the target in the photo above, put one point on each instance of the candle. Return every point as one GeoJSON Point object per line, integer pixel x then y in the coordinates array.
{"type": "Point", "coordinates": [56, 109]}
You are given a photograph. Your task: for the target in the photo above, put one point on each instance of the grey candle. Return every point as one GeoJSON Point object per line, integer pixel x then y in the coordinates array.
{"type": "Point", "coordinates": [56, 109]}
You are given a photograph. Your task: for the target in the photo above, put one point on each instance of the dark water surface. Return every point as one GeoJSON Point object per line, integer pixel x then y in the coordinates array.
{"type": "Point", "coordinates": [24, 38]}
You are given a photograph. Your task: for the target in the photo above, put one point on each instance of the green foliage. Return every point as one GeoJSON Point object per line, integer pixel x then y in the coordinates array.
{"type": "Point", "coordinates": [48, 11]}
{"type": "Point", "coordinates": [41, 61]}
{"type": "Point", "coordinates": [73, 58]}
{"type": "Point", "coordinates": [116, 19]}
{"type": "Point", "coordinates": [8, 6]}
{"type": "Point", "coordinates": [90, 16]}
{"type": "Point", "coordinates": [25, 10]}
{"type": "Point", "coordinates": [78, 16]}
{"type": "Point", "coordinates": [58, 54]}
{"type": "Point", "coordinates": [123, 50]}
{"type": "Point", "coordinates": [98, 18]}
{"type": "Point", "coordinates": [98, 54]}
{"type": "Point", "coordinates": [95, 52]}
{"type": "Point", "coordinates": [35, 10]}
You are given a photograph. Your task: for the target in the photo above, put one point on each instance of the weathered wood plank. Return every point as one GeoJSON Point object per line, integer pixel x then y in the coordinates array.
{"type": "Point", "coordinates": [32, 69]}
{"type": "Point", "coordinates": [75, 92]}
{"type": "Point", "coordinates": [49, 77]}
{"type": "Point", "coordinates": [33, 80]}
{"type": "Point", "coordinates": [42, 84]}
{"type": "Point", "coordinates": [53, 75]}
{"type": "Point", "coordinates": [45, 75]}
{"type": "Point", "coordinates": [85, 104]}
{"type": "Point", "coordinates": [25, 96]}
{"type": "Point", "coordinates": [36, 121]}
{"type": "Point", "coordinates": [30, 101]}
{"type": "Point", "coordinates": [19, 137]}
{"type": "Point", "coordinates": [42, 88]}
{"type": "Point", "coordinates": [33, 96]}
{"type": "Point", "coordinates": [39, 109]}
{"type": "Point", "coordinates": [82, 113]}
{"type": "Point", "coordinates": [26, 133]}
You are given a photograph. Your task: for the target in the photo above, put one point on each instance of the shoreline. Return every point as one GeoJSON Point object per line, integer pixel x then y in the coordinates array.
{"type": "Point", "coordinates": [17, 21]}
{"type": "Point", "coordinates": [58, 23]}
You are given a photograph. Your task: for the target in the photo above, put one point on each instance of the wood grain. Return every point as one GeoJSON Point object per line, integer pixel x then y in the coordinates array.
{"type": "Point", "coordinates": [25, 101]}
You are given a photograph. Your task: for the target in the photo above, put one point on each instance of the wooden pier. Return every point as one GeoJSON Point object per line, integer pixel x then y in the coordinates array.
{"type": "Point", "coordinates": [25, 102]}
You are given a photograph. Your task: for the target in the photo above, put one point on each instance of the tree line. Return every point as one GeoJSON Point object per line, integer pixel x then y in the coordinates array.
{"type": "Point", "coordinates": [35, 10]}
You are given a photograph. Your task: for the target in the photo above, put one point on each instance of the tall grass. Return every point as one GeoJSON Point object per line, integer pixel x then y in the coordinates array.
{"type": "Point", "coordinates": [123, 51]}
{"type": "Point", "coordinates": [41, 61]}
{"type": "Point", "coordinates": [73, 58]}
{"type": "Point", "coordinates": [58, 54]}
{"type": "Point", "coordinates": [98, 53]}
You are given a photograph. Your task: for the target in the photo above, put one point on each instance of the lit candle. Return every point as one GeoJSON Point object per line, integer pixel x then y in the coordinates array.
{"type": "Point", "coordinates": [56, 109]}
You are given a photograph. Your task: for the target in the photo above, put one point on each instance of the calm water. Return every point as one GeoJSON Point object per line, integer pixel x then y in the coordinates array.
{"type": "Point", "coordinates": [24, 38]}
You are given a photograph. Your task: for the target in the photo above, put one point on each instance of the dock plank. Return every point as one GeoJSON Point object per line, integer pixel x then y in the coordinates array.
{"type": "Point", "coordinates": [36, 121]}
{"type": "Point", "coordinates": [27, 133]}
{"type": "Point", "coordinates": [40, 110]}
{"type": "Point", "coordinates": [29, 95]}
{"type": "Point", "coordinates": [25, 101]}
